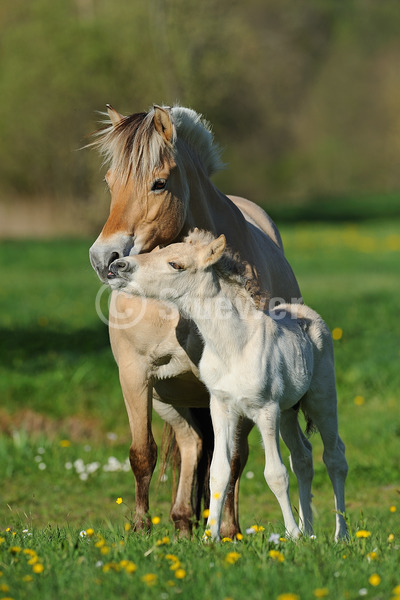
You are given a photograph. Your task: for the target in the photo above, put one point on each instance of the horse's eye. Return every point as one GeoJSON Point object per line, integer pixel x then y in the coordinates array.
{"type": "Point", "coordinates": [176, 266]}
{"type": "Point", "coordinates": [159, 184]}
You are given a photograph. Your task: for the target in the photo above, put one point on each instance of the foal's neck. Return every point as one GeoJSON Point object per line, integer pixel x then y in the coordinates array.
{"type": "Point", "coordinates": [226, 320]}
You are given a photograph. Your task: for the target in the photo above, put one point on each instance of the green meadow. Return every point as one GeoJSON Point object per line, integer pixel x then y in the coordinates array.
{"type": "Point", "coordinates": [64, 440]}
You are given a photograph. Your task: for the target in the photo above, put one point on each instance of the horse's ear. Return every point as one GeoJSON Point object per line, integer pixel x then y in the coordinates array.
{"type": "Point", "coordinates": [115, 116]}
{"type": "Point", "coordinates": [213, 252]}
{"type": "Point", "coordinates": [163, 123]}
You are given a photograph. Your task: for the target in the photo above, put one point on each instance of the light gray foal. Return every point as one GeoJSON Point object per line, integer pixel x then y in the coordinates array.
{"type": "Point", "coordinates": [261, 365]}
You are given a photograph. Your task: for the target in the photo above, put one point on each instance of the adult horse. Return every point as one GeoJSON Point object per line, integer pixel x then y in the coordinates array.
{"type": "Point", "coordinates": [160, 163]}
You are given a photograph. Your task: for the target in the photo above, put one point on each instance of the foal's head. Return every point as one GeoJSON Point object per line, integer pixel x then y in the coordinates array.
{"type": "Point", "coordinates": [147, 154]}
{"type": "Point", "coordinates": [173, 271]}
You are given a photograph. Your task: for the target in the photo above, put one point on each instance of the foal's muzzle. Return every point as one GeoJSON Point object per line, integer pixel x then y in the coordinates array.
{"type": "Point", "coordinates": [119, 267]}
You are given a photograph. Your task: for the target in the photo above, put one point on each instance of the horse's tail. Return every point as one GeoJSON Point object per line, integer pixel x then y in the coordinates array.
{"type": "Point", "coordinates": [310, 425]}
{"type": "Point", "coordinates": [169, 454]}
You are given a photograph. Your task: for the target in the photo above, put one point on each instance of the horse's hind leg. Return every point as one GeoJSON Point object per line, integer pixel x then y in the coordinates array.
{"type": "Point", "coordinates": [275, 472]}
{"type": "Point", "coordinates": [301, 462]}
{"type": "Point", "coordinates": [230, 524]}
{"type": "Point", "coordinates": [190, 446]}
{"type": "Point", "coordinates": [323, 411]}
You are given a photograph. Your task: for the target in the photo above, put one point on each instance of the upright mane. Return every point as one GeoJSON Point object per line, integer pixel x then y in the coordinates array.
{"type": "Point", "coordinates": [232, 270]}
{"type": "Point", "coordinates": [134, 145]}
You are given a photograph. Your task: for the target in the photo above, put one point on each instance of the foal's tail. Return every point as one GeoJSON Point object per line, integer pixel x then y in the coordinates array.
{"type": "Point", "coordinates": [310, 425]}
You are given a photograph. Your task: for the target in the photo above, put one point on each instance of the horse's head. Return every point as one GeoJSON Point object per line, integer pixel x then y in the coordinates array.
{"type": "Point", "coordinates": [147, 179]}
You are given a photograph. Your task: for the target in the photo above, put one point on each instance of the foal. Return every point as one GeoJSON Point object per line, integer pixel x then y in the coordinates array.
{"type": "Point", "coordinates": [255, 364]}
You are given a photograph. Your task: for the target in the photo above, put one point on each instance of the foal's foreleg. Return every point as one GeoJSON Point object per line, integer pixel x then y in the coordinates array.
{"type": "Point", "coordinates": [275, 471]}
{"type": "Point", "coordinates": [225, 427]}
{"type": "Point", "coordinates": [301, 462]}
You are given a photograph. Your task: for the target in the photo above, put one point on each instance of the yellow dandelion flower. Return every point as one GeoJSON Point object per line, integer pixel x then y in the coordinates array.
{"type": "Point", "coordinates": [207, 533]}
{"type": "Point", "coordinates": [392, 509]}
{"type": "Point", "coordinates": [337, 333]}
{"type": "Point", "coordinates": [239, 536]}
{"type": "Point", "coordinates": [30, 552]}
{"type": "Point", "coordinates": [163, 541]}
{"type": "Point", "coordinates": [374, 579]}
{"type": "Point", "coordinates": [372, 556]}
{"type": "Point", "coordinates": [15, 549]}
{"type": "Point", "coordinates": [206, 513]}
{"type": "Point", "coordinates": [128, 565]}
{"type": "Point", "coordinates": [149, 578]}
{"type": "Point", "coordinates": [65, 443]}
{"type": "Point", "coordinates": [321, 592]}
{"type": "Point", "coordinates": [170, 583]}
{"type": "Point", "coordinates": [90, 532]}
{"type": "Point", "coordinates": [232, 557]}
{"type": "Point", "coordinates": [359, 400]}
{"type": "Point", "coordinates": [38, 568]}
{"type": "Point", "coordinates": [363, 533]}
{"type": "Point", "coordinates": [216, 495]}
{"type": "Point", "coordinates": [288, 597]}
{"type": "Point", "coordinates": [390, 537]}
{"type": "Point", "coordinates": [276, 555]}
{"type": "Point", "coordinates": [155, 520]}
{"type": "Point", "coordinates": [27, 578]}
{"type": "Point", "coordinates": [119, 501]}
{"type": "Point", "coordinates": [101, 542]}
{"type": "Point", "coordinates": [226, 539]}
{"type": "Point", "coordinates": [33, 560]}
{"type": "Point", "coordinates": [171, 557]}
{"type": "Point", "coordinates": [257, 528]}
{"type": "Point", "coordinates": [180, 573]}
{"type": "Point", "coordinates": [2, 540]}
{"type": "Point", "coordinates": [4, 587]}
{"type": "Point", "coordinates": [175, 565]}
{"type": "Point", "coordinates": [127, 526]}
{"type": "Point", "coordinates": [104, 550]}
{"type": "Point", "coordinates": [396, 590]}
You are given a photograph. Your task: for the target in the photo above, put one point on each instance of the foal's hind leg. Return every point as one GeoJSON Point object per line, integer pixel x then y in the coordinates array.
{"type": "Point", "coordinates": [323, 411]}
{"type": "Point", "coordinates": [301, 462]}
{"type": "Point", "coordinates": [275, 471]}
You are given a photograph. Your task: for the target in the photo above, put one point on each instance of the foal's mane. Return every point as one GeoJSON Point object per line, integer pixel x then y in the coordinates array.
{"type": "Point", "coordinates": [134, 145]}
{"type": "Point", "coordinates": [232, 270]}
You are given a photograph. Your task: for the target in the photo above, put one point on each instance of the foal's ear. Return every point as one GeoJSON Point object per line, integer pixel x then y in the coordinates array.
{"type": "Point", "coordinates": [115, 116]}
{"type": "Point", "coordinates": [213, 252]}
{"type": "Point", "coordinates": [163, 123]}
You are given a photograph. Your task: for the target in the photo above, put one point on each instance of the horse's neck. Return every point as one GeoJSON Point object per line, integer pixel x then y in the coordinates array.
{"type": "Point", "coordinates": [210, 209]}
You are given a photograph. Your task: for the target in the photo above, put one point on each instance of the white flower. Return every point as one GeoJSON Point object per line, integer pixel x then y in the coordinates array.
{"type": "Point", "coordinates": [313, 537]}
{"type": "Point", "coordinates": [274, 538]}
{"type": "Point", "coordinates": [38, 459]}
{"type": "Point", "coordinates": [112, 436]}
{"type": "Point", "coordinates": [250, 530]}
{"type": "Point", "coordinates": [249, 475]}
{"type": "Point", "coordinates": [42, 466]}
{"type": "Point", "coordinates": [164, 478]}
{"type": "Point", "coordinates": [363, 592]}
{"type": "Point", "coordinates": [99, 564]}
{"type": "Point", "coordinates": [83, 476]}
{"type": "Point", "coordinates": [41, 450]}
{"type": "Point", "coordinates": [87, 448]}
{"type": "Point", "coordinates": [83, 533]}
{"type": "Point", "coordinates": [68, 465]}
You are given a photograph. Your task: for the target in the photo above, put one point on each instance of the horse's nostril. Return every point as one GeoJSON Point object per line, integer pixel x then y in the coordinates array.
{"type": "Point", "coordinates": [114, 256]}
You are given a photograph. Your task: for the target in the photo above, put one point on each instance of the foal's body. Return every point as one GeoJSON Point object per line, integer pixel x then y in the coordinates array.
{"type": "Point", "coordinates": [255, 365]}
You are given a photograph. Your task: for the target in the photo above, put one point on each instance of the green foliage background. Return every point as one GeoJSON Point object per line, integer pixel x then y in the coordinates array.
{"type": "Point", "coordinates": [303, 95]}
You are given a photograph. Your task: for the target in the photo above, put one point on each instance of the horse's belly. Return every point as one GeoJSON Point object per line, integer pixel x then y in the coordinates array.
{"type": "Point", "coordinates": [185, 390]}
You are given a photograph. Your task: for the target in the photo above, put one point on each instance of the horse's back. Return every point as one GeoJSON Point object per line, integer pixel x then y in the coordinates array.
{"type": "Point", "coordinates": [257, 216]}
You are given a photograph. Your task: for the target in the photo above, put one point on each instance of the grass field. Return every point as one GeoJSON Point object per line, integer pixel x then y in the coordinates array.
{"type": "Point", "coordinates": [64, 440]}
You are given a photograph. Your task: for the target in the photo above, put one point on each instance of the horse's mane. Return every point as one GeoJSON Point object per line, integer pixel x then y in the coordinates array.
{"type": "Point", "coordinates": [231, 269]}
{"type": "Point", "coordinates": [134, 145]}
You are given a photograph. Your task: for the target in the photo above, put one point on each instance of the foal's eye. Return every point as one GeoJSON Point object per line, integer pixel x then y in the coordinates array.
{"type": "Point", "coordinates": [176, 266]}
{"type": "Point", "coordinates": [159, 184]}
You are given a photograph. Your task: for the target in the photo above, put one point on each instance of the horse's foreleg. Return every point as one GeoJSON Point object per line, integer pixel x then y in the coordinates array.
{"type": "Point", "coordinates": [225, 427]}
{"type": "Point", "coordinates": [137, 393]}
{"type": "Point", "coordinates": [190, 446]}
{"type": "Point", "coordinates": [230, 525]}
{"type": "Point", "coordinates": [275, 471]}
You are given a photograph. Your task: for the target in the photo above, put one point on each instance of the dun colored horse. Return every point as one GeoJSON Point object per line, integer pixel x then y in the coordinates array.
{"type": "Point", "coordinates": [262, 366]}
{"type": "Point", "coordinates": [160, 163]}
